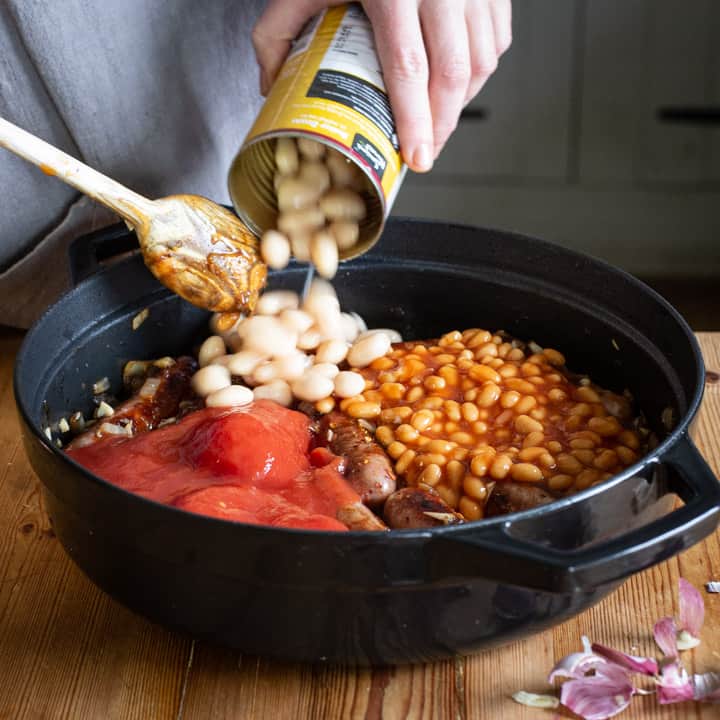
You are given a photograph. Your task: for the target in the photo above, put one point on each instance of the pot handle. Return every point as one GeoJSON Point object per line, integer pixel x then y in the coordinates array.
{"type": "Point", "coordinates": [504, 557]}
{"type": "Point", "coordinates": [89, 253]}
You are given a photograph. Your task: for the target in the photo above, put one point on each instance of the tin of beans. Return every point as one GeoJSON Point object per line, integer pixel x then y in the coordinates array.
{"type": "Point", "coordinates": [325, 133]}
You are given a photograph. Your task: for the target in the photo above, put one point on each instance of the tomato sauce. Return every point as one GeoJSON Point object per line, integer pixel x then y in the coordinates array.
{"type": "Point", "coordinates": [253, 464]}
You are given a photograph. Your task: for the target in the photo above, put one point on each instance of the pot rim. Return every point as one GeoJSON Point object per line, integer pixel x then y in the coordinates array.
{"type": "Point", "coordinates": [654, 457]}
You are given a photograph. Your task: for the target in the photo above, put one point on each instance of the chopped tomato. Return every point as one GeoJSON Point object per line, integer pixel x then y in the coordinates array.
{"type": "Point", "coordinates": [252, 505]}
{"type": "Point", "coordinates": [264, 447]}
{"type": "Point", "coordinates": [250, 464]}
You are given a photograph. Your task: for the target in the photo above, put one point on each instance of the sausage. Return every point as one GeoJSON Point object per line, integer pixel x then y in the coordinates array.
{"type": "Point", "coordinates": [509, 497]}
{"type": "Point", "coordinates": [164, 393]}
{"type": "Point", "coordinates": [369, 471]}
{"type": "Point", "coordinates": [409, 508]}
{"type": "Point", "coordinates": [330, 480]}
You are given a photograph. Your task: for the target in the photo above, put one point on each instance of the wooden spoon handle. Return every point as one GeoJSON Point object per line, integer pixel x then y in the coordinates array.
{"type": "Point", "coordinates": [125, 202]}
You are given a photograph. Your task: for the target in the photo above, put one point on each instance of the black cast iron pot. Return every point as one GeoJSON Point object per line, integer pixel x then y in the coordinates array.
{"type": "Point", "coordinates": [415, 595]}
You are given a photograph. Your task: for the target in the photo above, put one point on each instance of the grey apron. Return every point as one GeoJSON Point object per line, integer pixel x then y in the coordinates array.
{"type": "Point", "coordinates": [156, 93]}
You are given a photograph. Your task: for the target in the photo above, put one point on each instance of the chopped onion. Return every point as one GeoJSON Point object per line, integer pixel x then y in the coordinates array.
{"type": "Point", "coordinates": [674, 685]}
{"type": "Point", "coordinates": [599, 677]}
{"type": "Point", "coordinates": [149, 387]}
{"type": "Point", "coordinates": [101, 386]}
{"type": "Point", "coordinates": [692, 609]}
{"type": "Point", "coordinates": [599, 696]}
{"type": "Point", "coordinates": [140, 318]}
{"type": "Point", "coordinates": [665, 633]}
{"type": "Point", "coordinates": [576, 664]}
{"type": "Point", "coordinates": [446, 518]}
{"type": "Point", "coordinates": [633, 663]}
{"type": "Point", "coordinates": [104, 410]}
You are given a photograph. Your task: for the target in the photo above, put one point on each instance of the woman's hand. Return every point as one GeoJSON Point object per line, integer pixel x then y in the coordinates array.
{"type": "Point", "coordinates": [435, 54]}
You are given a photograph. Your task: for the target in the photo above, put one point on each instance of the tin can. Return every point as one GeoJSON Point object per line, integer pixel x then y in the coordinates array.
{"type": "Point", "coordinates": [331, 90]}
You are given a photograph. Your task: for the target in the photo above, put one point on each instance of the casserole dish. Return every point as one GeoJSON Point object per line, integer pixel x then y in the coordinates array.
{"type": "Point", "coordinates": [409, 595]}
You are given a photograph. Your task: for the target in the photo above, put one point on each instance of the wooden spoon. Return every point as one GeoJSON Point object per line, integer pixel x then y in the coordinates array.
{"type": "Point", "coordinates": [192, 245]}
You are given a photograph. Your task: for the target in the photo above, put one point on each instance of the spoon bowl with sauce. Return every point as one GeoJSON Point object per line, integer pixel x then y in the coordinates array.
{"type": "Point", "coordinates": [193, 246]}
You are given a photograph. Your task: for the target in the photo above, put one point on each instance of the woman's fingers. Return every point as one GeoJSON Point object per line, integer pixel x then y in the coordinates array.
{"type": "Point", "coordinates": [501, 11]}
{"type": "Point", "coordinates": [483, 52]}
{"type": "Point", "coordinates": [436, 55]}
{"type": "Point", "coordinates": [402, 53]}
{"type": "Point", "coordinates": [274, 32]}
{"type": "Point", "coordinates": [446, 42]}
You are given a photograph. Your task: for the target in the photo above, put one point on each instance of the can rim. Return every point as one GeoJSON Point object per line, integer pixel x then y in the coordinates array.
{"type": "Point", "coordinates": [350, 154]}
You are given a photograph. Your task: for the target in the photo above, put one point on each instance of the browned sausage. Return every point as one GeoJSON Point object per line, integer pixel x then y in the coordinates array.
{"type": "Point", "coordinates": [165, 393]}
{"type": "Point", "coordinates": [369, 471]}
{"type": "Point", "coordinates": [409, 508]}
{"type": "Point", "coordinates": [509, 497]}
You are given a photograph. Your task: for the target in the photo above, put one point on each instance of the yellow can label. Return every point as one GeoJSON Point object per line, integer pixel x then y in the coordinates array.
{"type": "Point", "coordinates": [332, 87]}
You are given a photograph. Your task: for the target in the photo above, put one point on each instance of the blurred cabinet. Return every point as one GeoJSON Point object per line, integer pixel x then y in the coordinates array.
{"type": "Point", "coordinates": [568, 139]}
{"type": "Point", "coordinates": [643, 58]}
{"type": "Point", "coordinates": [528, 98]}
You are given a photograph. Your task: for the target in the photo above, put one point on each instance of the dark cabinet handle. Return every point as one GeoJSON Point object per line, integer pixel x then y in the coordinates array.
{"type": "Point", "coordinates": [690, 115]}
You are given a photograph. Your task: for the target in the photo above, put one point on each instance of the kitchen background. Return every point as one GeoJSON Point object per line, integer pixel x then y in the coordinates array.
{"type": "Point", "coordinates": [599, 131]}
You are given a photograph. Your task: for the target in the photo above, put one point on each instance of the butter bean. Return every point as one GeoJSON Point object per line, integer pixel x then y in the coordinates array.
{"type": "Point", "coordinates": [275, 249]}
{"type": "Point", "coordinates": [309, 340]}
{"type": "Point", "coordinates": [393, 335]}
{"type": "Point", "coordinates": [343, 204]}
{"type": "Point", "coordinates": [275, 301]}
{"type": "Point", "coordinates": [329, 370]}
{"type": "Point", "coordinates": [210, 379]}
{"type": "Point", "coordinates": [331, 351]}
{"type": "Point", "coordinates": [296, 193]}
{"type": "Point", "coordinates": [349, 384]}
{"type": "Point", "coordinates": [230, 396]}
{"type": "Point", "coordinates": [211, 349]}
{"type": "Point", "coordinates": [312, 386]}
{"type": "Point", "coordinates": [344, 172]}
{"type": "Point", "coordinates": [324, 253]}
{"type": "Point", "coordinates": [300, 245]}
{"type": "Point", "coordinates": [292, 366]}
{"type": "Point", "coordinates": [295, 221]}
{"type": "Point", "coordinates": [278, 391]}
{"type": "Point", "coordinates": [367, 349]}
{"type": "Point", "coordinates": [268, 336]}
{"type": "Point", "coordinates": [316, 175]}
{"type": "Point", "coordinates": [297, 320]}
{"type": "Point", "coordinates": [264, 373]}
{"type": "Point", "coordinates": [345, 232]}
{"type": "Point", "coordinates": [349, 327]}
{"type": "Point", "coordinates": [310, 149]}
{"type": "Point", "coordinates": [286, 155]}
{"type": "Point", "coordinates": [243, 362]}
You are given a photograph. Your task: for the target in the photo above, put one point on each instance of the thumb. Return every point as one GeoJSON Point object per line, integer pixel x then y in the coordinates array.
{"type": "Point", "coordinates": [274, 32]}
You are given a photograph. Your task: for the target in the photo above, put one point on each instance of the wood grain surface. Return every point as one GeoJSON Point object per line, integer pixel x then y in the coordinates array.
{"type": "Point", "coordinates": [68, 651]}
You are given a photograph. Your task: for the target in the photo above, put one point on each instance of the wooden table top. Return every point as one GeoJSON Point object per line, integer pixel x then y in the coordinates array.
{"type": "Point", "coordinates": [68, 651]}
